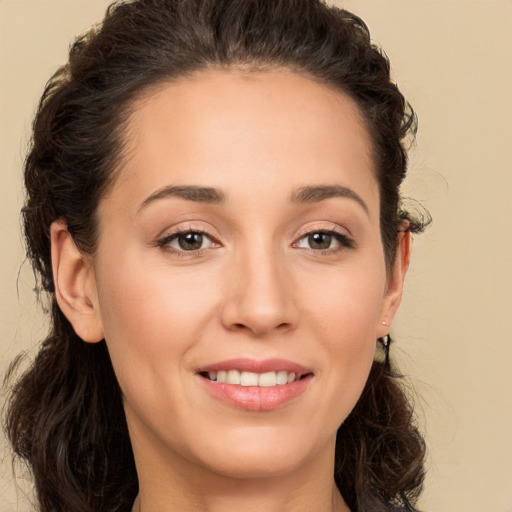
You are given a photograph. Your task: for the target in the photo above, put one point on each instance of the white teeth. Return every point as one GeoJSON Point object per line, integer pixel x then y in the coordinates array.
{"type": "Point", "coordinates": [233, 377]}
{"type": "Point", "coordinates": [249, 379]}
{"type": "Point", "coordinates": [267, 379]}
{"type": "Point", "coordinates": [282, 377]}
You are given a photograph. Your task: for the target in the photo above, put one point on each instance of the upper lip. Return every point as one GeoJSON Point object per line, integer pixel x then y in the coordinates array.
{"type": "Point", "coordinates": [256, 366]}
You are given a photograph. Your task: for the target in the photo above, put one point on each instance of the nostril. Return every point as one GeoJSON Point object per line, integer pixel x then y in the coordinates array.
{"type": "Point", "coordinates": [238, 327]}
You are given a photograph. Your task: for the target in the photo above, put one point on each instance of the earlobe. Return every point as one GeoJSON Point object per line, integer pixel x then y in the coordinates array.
{"type": "Point", "coordinates": [75, 284]}
{"type": "Point", "coordinates": [394, 287]}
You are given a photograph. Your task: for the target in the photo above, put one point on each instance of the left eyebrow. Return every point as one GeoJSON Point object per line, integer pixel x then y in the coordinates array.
{"type": "Point", "coordinates": [313, 194]}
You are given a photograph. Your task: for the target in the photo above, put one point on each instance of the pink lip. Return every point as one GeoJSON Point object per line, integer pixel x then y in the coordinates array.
{"type": "Point", "coordinates": [255, 398]}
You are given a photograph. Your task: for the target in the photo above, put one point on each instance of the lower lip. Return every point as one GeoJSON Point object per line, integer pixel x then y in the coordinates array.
{"type": "Point", "coordinates": [256, 398]}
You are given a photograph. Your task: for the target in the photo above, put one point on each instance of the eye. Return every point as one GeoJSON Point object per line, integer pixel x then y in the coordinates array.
{"type": "Point", "coordinates": [324, 241]}
{"type": "Point", "coordinates": [317, 241]}
{"type": "Point", "coordinates": [187, 241]}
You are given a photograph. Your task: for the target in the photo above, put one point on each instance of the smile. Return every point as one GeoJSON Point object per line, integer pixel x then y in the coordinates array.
{"type": "Point", "coordinates": [267, 379]}
{"type": "Point", "coordinates": [255, 385]}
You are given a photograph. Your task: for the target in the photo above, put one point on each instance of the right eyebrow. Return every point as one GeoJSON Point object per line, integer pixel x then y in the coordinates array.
{"type": "Point", "coordinates": [194, 193]}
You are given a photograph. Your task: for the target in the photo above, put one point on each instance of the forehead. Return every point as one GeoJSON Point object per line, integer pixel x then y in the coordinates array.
{"type": "Point", "coordinates": [230, 128]}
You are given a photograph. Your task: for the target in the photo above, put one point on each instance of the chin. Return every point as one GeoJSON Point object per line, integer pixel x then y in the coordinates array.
{"type": "Point", "coordinates": [257, 467]}
{"type": "Point", "coordinates": [260, 456]}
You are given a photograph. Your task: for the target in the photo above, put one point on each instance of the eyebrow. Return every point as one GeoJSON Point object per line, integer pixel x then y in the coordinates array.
{"type": "Point", "coordinates": [211, 195]}
{"type": "Point", "coordinates": [313, 194]}
{"type": "Point", "coordinates": [194, 193]}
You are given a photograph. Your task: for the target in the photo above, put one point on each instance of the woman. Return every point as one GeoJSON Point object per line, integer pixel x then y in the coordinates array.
{"type": "Point", "coordinates": [213, 209]}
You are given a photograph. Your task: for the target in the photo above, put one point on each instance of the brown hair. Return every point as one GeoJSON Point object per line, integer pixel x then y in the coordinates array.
{"type": "Point", "coordinates": [65, 415]}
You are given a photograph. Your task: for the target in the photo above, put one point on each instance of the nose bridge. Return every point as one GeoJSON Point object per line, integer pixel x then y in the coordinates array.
{"type": "Point", "coordinates": [260, 292]}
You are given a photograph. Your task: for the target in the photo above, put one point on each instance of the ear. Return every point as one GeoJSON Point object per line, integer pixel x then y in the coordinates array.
{"type": "Point", "coordinates": [395, 283]}
{"type": "Point", "coordinates": [75, 284]}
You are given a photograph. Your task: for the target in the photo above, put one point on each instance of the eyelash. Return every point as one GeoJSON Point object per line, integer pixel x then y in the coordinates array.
{"type": "Point", "coordinates": [165, 241]}
{"type": "Point", "coordinates": [343, 239]}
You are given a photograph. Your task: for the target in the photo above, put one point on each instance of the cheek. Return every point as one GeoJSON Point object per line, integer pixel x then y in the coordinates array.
{"type": "Point", "coordinates": [152, 314]}
{"type": "Point", "coordinates": [347, 302]}
{"type": "Point", "coordinates": [344, 315]}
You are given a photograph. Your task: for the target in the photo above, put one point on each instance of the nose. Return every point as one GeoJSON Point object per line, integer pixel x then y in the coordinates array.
{"type": "Point", "coordinates": [260, 297]}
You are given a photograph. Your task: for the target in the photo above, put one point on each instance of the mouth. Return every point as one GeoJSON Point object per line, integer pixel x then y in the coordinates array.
{"type": "Point", "coordinates": [255, 385]}
{"type": "Point", "coordinates": [245, 378]}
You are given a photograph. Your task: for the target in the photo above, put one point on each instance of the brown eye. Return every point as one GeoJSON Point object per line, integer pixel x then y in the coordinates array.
{"type": "Point", "coordinates": [320, 241]}
{"type": "Point", "coordinates": [187, 241]}
{"type": "Point", "coordinates": [330, 241]}
{"type": "Point", "coordinates": [190, 241]}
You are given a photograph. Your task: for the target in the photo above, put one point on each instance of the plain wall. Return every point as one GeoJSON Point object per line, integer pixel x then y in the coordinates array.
{"type": "Point", "coordinates": [452, 59]}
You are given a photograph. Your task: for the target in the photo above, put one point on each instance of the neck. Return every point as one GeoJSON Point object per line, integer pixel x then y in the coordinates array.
{"type": "Point", "coordinates": [260, 498]}
{"type": "Point", "coordinates": [193, 488]}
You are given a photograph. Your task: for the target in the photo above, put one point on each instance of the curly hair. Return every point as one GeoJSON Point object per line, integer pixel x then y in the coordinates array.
{"type": "Point", "coordinates": [65, 415]}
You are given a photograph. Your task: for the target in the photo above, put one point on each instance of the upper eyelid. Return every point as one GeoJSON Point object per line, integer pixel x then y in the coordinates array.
{"type": "Point", "coordinates": [342, 234]}
{"type": "Point", "coordinates": [187, 228]}
{"type": "Point", "coordinates": [171, 236]}
{"type": "Point", "coordinates": [320, 227]}
{"type": "Point", "coordinates": [324, 228]}
{"type": "Point", "coordinates": [341, 237]}
{"type": "Point", "coordinates": [164, 243]}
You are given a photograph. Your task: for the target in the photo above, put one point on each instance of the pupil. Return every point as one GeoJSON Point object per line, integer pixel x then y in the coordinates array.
{"type": "Point", "coordinates": [320, 241]}
{"type": "Point", "coordinates": [191, 241]}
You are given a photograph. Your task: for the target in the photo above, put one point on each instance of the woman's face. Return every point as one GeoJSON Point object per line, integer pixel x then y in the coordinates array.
{"type": "Point", "coordinates": [241, 242]}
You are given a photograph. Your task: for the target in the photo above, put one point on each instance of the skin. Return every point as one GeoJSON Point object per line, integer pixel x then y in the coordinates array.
{"type": "Point", "coordinates": [257, 289]}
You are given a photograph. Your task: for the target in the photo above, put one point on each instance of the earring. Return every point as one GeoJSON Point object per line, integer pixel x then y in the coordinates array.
{"type": "Point", "coordinates": [382, 350]}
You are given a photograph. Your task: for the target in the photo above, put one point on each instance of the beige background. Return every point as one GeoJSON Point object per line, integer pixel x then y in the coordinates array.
{"type": "Point", "coordinates": [453, 61]}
